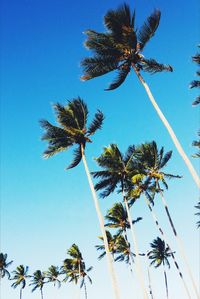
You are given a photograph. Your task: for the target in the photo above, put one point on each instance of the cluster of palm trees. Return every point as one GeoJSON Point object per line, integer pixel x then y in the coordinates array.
{"type": "Point", "coordinates": [73, 269]}
{"type": "Point", "coordinates": [136, 175]}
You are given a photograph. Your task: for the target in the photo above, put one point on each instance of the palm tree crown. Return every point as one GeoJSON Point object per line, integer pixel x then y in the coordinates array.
{"type": "Point", "coordinates": [72, 129]}
{"type": "Point", "coordinates": [38, 280]}
{"type": "Point", "coordinates": [52, 275]}
{"type": "Point", "coordinates": [20, 275]}
{"type": "Point", "coordinates": [4, 265]}
{"type": "Point", "coordinates": [120, 47]}
{"type": "Point", "coordinates": [159, 253]}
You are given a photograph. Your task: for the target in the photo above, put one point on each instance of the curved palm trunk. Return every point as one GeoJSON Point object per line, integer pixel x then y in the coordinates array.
{"type": "Point", "coordinates": [150, 288]}
{"type": "Point", "coordinates": [138, 264]}
{"type": "Point", "coordinates": [169, 129]}
{"type": "Point", "coordinates": [166, 284]}
{"type": "Point", "coordinates": [180, 244]}
{"type": "Point", "coordinates": [164, 237]}
{"type": "Point", "coordinates": [103, 231]}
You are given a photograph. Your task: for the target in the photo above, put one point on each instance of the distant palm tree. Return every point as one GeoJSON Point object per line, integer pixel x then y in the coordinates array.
{"type": "Point", "coordinates": [196, 143]}
{"type": "Point", "coordinates": [119, 49]}
{"type": "Point", "coordinates": [112, 245]}
{"type": "Point", "coordinates": [52, 275]}
{"type": "Point", "coordinates": [38, 281]}
{"type": "Point", "coordinates": [198, 213]}
{"type": "Point", "coordinates": [75, 268]}
{"type": "Point", "coordinates": [73, 131]}
{"type": "Point", "coordinates": [123, 251]}
{"type": "Point", "coordinates": [4, 265]}
{"type": "Point", "coordinates": [159, 255]}
{"type": "Point", "coordinates": [153, 161]}
{"type": "Point", "coordinates": [20, 276]}
{"type": "Point", "coordinates": [115, 175]}
{"type": "Point", "coordinates": [196, 83]}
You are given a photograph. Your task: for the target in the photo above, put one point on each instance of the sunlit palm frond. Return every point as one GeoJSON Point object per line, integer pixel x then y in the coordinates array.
{"type": "Point", "coordinates": [96, 123]}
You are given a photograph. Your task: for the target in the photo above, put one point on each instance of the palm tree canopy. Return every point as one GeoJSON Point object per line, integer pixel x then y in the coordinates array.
{"type": "Point", "coordinates": [72, 129]}
{"type": "Point", "coordinates": [4, 265]}
{"type": "Point", "coordinates": [123, 250]}
{"type": "Point", "coordinates": [120, 46]}
{"type": "Point", "coordinates": [20, 275]}
{"type": "Point", "coordinates": [117, 168]}
{"type": "Point", "coordinates": [198, 213]}
{"type": "Point", "coordinates": [52, 275]}
{"type": "Point", "coordinates": [117, 218]}
{"type": "Point", "coordinates": [74, 267]}
{"type": "Point", "coordinates": [38, 280]}
{"type": "Point", "coordinates": [159, 253]}
{"type": "Point", "coordinates": [196, 83]}
{"type": "Point", "coordinates": [111, 244]}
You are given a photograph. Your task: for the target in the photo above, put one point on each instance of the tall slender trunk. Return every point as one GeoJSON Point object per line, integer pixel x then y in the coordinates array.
{"type": "Point", "coordinates": [164, 237]}
{"type": "Point", "coordinates": [20, 295]}
{"type": "Point", "coordinates": [169, 129]}
{"type": "Point", "coordinates": [180, 244]}
{"type": "Point", "coordinates": [150, 288]}
{"type": "Point", "coordinates": [138, 264]}
{"type": "Point", "coordinates": [166, 284]}
{"type": "Point", "coordinates": [41, 294]}
{"type": "Point", "coordinates": [85, 290]}
{"type": "Point", "coordinates": [103, 231]}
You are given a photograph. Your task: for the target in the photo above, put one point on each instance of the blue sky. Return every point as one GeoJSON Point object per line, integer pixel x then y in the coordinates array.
{"type": "Point", "coordinates": [45, 209]}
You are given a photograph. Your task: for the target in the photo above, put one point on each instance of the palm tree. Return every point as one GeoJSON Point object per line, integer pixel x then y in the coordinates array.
{"type": "Point", "coordinates": [115, 175]}
{"type": "Point", "coordinates": [75, 268]}
{"type": "Point", "coordinates": [72, 130]}
{"type": "Point", "coordinates": [38, 281]}
{"type": "Point", "coordinates": [119, 49]}
{"type": "Point", "coordinates": [111, 243]}
{"type": "Point", "coordinates": [153, 161]}
{"type": "Point", "coordinates": [159, 256]}
{"type": "Point", "coordinates": [123, 251]}
{"type": "Point", "coordinates": [52, 275]}
{"type": "Point", "coordinates": [198, 213]}
{"type": "Point", "coordinates": [20, 276]}
{"type": "Point", "coordinates": [196, 83]}
{"type": "Point", "coordinates": [4, 265]}
{"type": "Point", "coordinates": [197, 144]}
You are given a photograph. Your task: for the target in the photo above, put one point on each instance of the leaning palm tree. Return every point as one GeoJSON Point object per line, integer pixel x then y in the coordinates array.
{"type": "Point", "coordinates": [38, 281]}
{"type": "Point", "coordinates": [159, 256]}
{"type": "Point", "coordinates": [153, 161]}
{"type": "Point", "coordinates": [116, 171]}
{"type": "Point", "coordinates": [4, 265]}
{"type": "Point", "coordinates": [198, 213]}
{"type": "Point", "coordinates": [20, 276]}
{"type": "Point", "coordinates": [52, 275]}
{"type": "Point", "coordinates": [73, 130]}
{"type": "Point", "coordinates": [75, 268]}
{"type": "Point", "coordinates": [119, 49]}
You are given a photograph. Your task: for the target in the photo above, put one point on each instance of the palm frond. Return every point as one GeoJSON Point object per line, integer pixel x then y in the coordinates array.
{"type": "Point", "coordinates": [165, 159]}
{"type": "Point", "coordinates": [152, 66]}
{"type": "Point", "coordinates": [122, 74]}
{"type": "Point", "coordinates": [148, 29]}
{"type": "Point", "coordinates": [196, 101]}
{"type": "Point", "coordinates": [80, 112]}
{"type": "Point", "coordinates": [77, 158]}
{"type": "Point", "coordinates": [96, 123]}
{"type": "Point", "coordinates": [195, 83]}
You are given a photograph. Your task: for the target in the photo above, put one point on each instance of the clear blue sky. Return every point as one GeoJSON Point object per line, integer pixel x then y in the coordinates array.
{"type": "Point", "coordinates": [45, 209]}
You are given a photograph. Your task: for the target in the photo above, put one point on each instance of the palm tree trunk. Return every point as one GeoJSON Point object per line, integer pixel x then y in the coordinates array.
{"type": "Point", "coordinates": [166, 284]}
{"type": "Point", "coordinates": [180, 244]}
{"type": "Point", "coordinates": [169, 129]}
{"type": "Point", "coordinates": [164, 237]}
{"type": "Point", "coordinates": [41, 294]}
{"type": "Point", "coordinates": [103, 231]}
{"type": "Point", "coordinates": [20, 295]}
{"type": "Point", "coordinates": [85, 290]}
{"type": "Point", "coordinates": [150, 288]}
{"type": "Point", "coordinates": [138, 264]}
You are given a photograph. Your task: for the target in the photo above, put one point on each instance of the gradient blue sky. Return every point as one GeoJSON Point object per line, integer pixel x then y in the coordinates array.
{"type": "Point", "coordinates": [45, 209]}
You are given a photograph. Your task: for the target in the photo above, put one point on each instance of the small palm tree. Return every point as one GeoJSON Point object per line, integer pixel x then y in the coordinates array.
{"type": "Point", "coordinates": [20, 276]}
{"type": "Point", "coordinates": [117, 168]}
{"type": "Point", "coordinates": [159, 255]}
{"type": "Point", "coordinates": [72, 130]}
{"type": "Point", "coordinates": [120, 49]}
{"type": "Point", "coordinates": [52, 275]}
{"type": "Point", "coordinates": [4, 265]}
{"type": "Point", "coordinates": [196, 83]}
{"type": "Point", "coordinates": [198, 213]}
{"type": "Point", "coordinates": [38, 281]}
{"type": "Point", "coordinates": [196, 143]}
{"type": "Point", "coordinates": [123, 251]}
{"type": "Point", "coordinates": [112, 245]}
{"type": "Point", "coordinates": [75, 269]}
